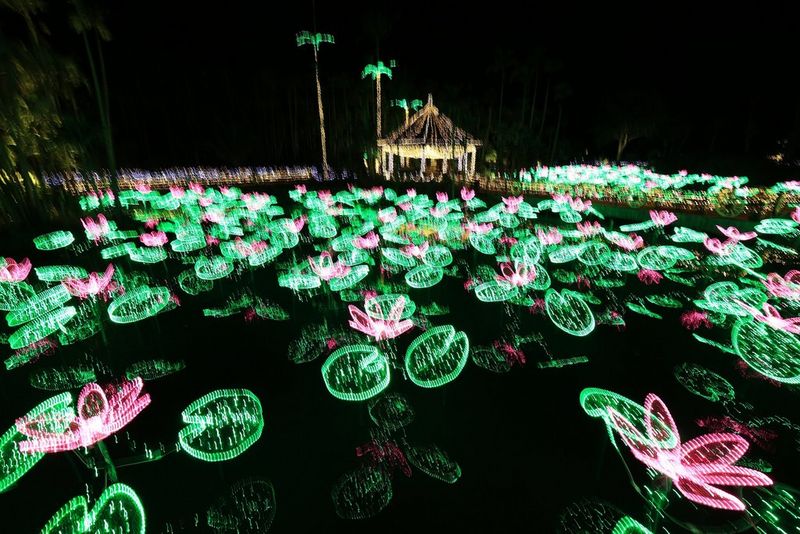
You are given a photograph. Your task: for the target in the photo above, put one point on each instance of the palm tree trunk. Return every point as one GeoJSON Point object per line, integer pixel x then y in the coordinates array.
{"type": "Point", "coordinates": [321, 118]}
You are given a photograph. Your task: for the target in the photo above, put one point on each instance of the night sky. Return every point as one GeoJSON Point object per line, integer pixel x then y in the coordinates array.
{"type": "Point", "coordinates": [197, 83]}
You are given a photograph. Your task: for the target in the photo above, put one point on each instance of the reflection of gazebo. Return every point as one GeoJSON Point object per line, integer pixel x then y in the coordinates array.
{"type": "Point", "coordinates": [434, 140]}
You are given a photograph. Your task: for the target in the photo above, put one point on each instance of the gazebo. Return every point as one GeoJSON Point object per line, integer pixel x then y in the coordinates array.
{"type": "Point", "coordinates": [431, 138]}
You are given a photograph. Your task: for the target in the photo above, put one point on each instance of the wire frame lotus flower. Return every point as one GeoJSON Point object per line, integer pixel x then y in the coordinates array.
{"type": "Point", "coordinates": [96, 229]}
{"type": "Point", "coordinates": [511, 204]}
{"type": "Point", "coordinates": [733, 233]}
{"type": "Point", "coordinates": [14, 271]}
{"type": "Point", "coordinates": [696, 467]}
{"type": "Point", "coordinates": [326, 268]}
{"type": "Point", "coordinates": [518, 275]}
{"type": "Point", "coordinates": [771, 316]}
{"type": "Point", "coordinates": [153, 239]}
{"type": "Point", "coordinates": [467, 194]}
{"type": "Point", "coordinates": [381, 329]}
{"type": "Point", "coordinates": [786, 287]}
{"type": "Point", "coordinates": [662, 217]}
{"type": "Point", "coordinates": [94, 284]}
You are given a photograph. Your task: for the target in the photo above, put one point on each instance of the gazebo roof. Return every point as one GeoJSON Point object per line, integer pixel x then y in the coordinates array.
{"type": "Point", "coordinates": [428, 127]}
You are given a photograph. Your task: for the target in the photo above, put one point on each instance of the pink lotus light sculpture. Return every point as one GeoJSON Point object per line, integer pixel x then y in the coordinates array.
{"type": "Point", "coordinates": [205, 201]}
{"type": "Point", "coordinates": [630, 243]}
{"type": "Point", "coordinates": [143, 187]}
{"type": "Point", "coordinates": [387, 452]}
{"type": "Point", "coordinates": [785, 287]}
{"type": "Point", "coordinates": [325, 196]}
{"type": "Point", "coordinates": [589, 229]}
{"type": "Point", "coordinates": [795, 215]}
{"type": "Point", "coordinates": [177, 192]}
{"type": "Point", "coordinates": [368, 294]}
{"type": "Point", "coordinates": [662, 218]}
{"type": "Point", "coordinates": [301, 188]}
{"type": "Point", "coordinates": [151, 224]}
{"type": "Point", "coordinates": [387, 217]}
{"type": "Point", "coordinates": [94, 284]}
{"type": "Point", "coordinates": [254, 201]}
{"type": "Point", "coordinates": [215, 217]}
{"type": "Point", "coordinates": [649, 276]}
{"type": "Point", "coordinates": [211, 240]}
{"type": "Point", "coordinates": [14, 271]}
{"type": "Point", "coordinates": [98, 416]}
{"type": "Point", "coordinates": [537, 307]}
{"type": "Point", "coordinates": [415, 251]}
{"type": "Point", "coordinates": [367, 242]}
{"type": "Point", "coordinates": [511, 204]}
{"type": "Point", "coordinates": [442, 196]}
{"type": "Point", "coordinates": [733, 234]}
{"type": "Point", "coordinates": [467, 194]}
{"type": "Point", "coordinates": [196, 188]}
{"type": "Point", "coordinates": [381, 329]}
{"type": "Point", "coordinates": [693, 320]}
{"type": "Point", "coordinates": [771, 316]}
{"type": "Point", "coordinates": [715, 246]}
{"type": "Point", "coordinates": [405, 206]}
{"type": "Point", "coordinates": [326, 268]}
{"type": "Point", "coordinates": [552, 237]}
{"type": "Point", "coordinates": [95, 230]}
{"type": "Point", "coordinates": [411, 193]}
{"type": "Point", "coordinates": [507, 240]}
{"type": "Point", "coordinates": [578, 204]}
{"type": "Point", "coordinates": [697, 466]}
{"type": "Point", "coordinates": [518, 276]}
{"type": "Point", "coordinates": [248, 249]}
{"type": "Point", "coordinates": [153, 239]}
{"type": "Point", "coordinates": [511, 354]}
{"type": "Point", "coordinates": [296, 226]}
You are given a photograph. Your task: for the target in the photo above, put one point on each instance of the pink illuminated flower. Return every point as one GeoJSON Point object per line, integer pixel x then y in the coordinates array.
{"type": "Point", "coordinates": [325, 196]}
{"type": "Point", "coordinates": [582, 281]}
{"type": "Point", "coordinates": [467, 194]}
{"type": "Point", "coordinates": [388, 216]}
{"type": "Point", "coordinates": [331, 343]}
{"type": "Point", "coordinates": [177, 192]}
{"type": "Point", "coordinates": [151, 224]}
{"type": "Point", "coordinates": [153, 239]}
{"type": "Point", "coordinates": [511, 204]}
{"type": "Point", "coordinates": [697, 466]}
{"type": "Point", "coordinates": [468, 284]}
{"type": "Point", "coordinates": [441, 196]}
{"type": "Point", "coordinates": [196, 188]}
{"type": "Point", "coordinates": [537, 307]}
{"type": "Point", "coordinates": [224, 190]}
{"type": "Point", "coordinates": [518, 276]}
{"type": "Point", "coordinates": [693, 319]}
{"type": "Point", "coordinates": [205, 201]}
{"type": "Point", "coordinates": [663, 217]}
{"type": "Point", "coordinates": [143, 187]}
{"type": "Point", "coordinates": [415, 251]}
{"type": "Point", "coordinates": [715, 246]}
{"type": "Point", "coordinates": [328, 269]}
{"type": "Point", "coordinates": [507, 240]}
{"type": "Point", "coordinates": [301, 188]}
{"type": "Point", "coordinates": [630, 243]}
{"type": "Point", "coordinates": [213, 217]}
{"type": "Point", "coordinates": [246, 248]}
{"type": "Point", "coordinates": [386, 453]}
{"type": "Point", "coordinates": [254, 201]}
{"type": "Point", "coordinates": [771, 316]}
{"type": "Point", "coordinates": [796, 214]}
{"type": "Point", "coordinates": [381, 329]}
{"type": "Point", "coordinates": [296, 226]}
{"type": "Point", "coordinates": [99, 414]}
{"type": "Point", "coordinates": [14, 271]}
{"type": "Point", "coordinates": [96, 229]}
{"type": "Point", "coordinates": [578, 204]}
{"type": "Point", "coordinates": [405, 206]}
{"type": "Point", "coordinates": [411, 193]}
{"type": "Point", "coordinates": [95, 284]}
{"type": "Point", "coordinates": [511, 354]}
{"type": "Point", "coordinates": [369, 241]}
{"type": "Point", "coordinates": [787, 287]}
{"type": "Point", "coordinates": [649, 276]}
{"type": "Point", "coordinates": [552, 237]}
{"type": "Point", "coordinates": [735, 235]}
{"type": "Point", "coordinates": [589, 229]}
{"type": "Point", "coordinates": [211, 240]}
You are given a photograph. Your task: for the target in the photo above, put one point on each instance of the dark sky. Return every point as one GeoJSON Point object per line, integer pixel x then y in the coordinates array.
{"type": "Point", "coordinates": [181, 69]}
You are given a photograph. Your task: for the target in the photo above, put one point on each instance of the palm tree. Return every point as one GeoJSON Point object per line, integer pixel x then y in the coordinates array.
{"type": "Point", "coordinates": [87, 20]}
{"type": "Point", "coordinates": [315, 40]}
{"type": "Point", "coordinates": [376, 71]}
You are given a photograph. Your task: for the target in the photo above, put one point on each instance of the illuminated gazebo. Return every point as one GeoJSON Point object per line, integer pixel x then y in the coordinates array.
{"type": "Point", "coordinates": [432, 139]}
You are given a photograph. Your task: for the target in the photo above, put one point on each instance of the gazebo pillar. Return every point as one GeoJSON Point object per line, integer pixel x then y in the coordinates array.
{"type": "Point", "coordinates": [444, 166]}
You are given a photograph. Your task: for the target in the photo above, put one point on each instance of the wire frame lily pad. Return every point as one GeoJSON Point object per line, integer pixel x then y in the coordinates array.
{"type": "Point", "coordinates": [356, 372]}
{"type": "Point", "coordinates": [437, 356]}
{"type": "Point", "coordinates": [434, 462]}
{"type": "Point", "coordinates": [424, 276]}
{"type": "Point", "coordinates": [569, 312]}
